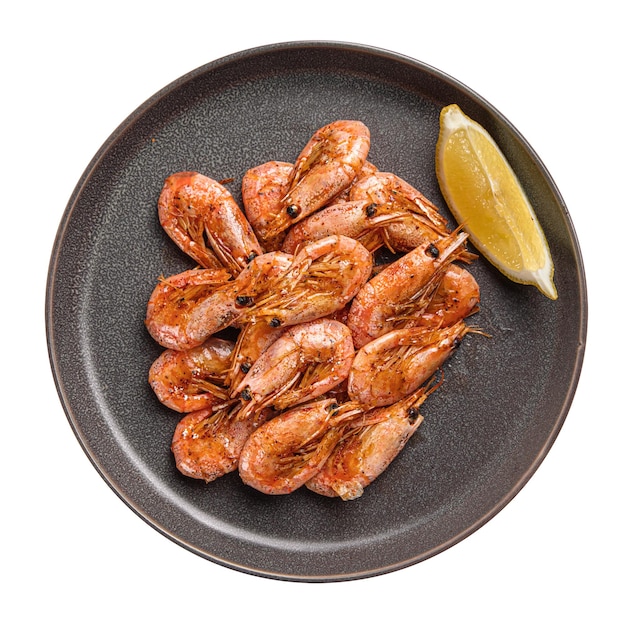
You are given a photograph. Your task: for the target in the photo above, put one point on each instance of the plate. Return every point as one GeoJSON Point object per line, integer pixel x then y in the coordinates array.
{"type": "Point", "coordinates": [486, 431]}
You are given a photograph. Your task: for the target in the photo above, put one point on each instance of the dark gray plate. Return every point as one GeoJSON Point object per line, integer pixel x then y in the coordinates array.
{"type": "Point", "coordinates": [486, 430]}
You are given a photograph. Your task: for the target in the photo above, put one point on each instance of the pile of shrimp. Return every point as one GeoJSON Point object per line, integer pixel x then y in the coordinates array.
{"type": "Point", "coordinates": [333, 353]}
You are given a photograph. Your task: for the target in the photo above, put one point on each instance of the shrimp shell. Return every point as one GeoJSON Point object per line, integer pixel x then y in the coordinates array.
{"type": "Point", "coordinates": [194, 379]}
{"type": "Point", "coordinates": [173, 303]}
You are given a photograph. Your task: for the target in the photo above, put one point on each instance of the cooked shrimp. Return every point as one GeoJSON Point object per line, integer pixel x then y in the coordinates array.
{"type": "Point", "coordinates": [207, 443]}
{"type": "Point", "coordinates": [387, 189]}
{"type": "Point", "coordinates": [456, 298]}
{"type": "Point", "coordinates": [253, 339]}
{"type": "Point", "coordinates": [203, 219]}
{"type": "Point", "coordinates": [229, 304]}
{"type": "Point", "coordinates": [183, 220]}
{"type": "Point", "coordinates": [356, 219]}
{"type": "Point", "coordinates": [395, 364]}
{"type": "Point", "coordinates": [395, 224]}
{"type": "Point", "coordinates": [323, 277]}
{"type": "Point", "coordinates": [191, 380]}
{"type": "Point", "coordinates": [262, 189]}
{"type": "Point", "coordinates": [367, 169]}
{"type": "Point", "coordinates": [173, 302]}
{"type": "Point", "coordinates": [303, 363]}
{"type": "Point", "coordinates": [186, 309]}
{"type": "Point", "coordinates": [406, 218]}
{"type": "Point", "coordinates": [282, 454]}
{"type": "Point", "coordinates": [327, 165]}
{"type": "Point", "coordinates": [365, 453]}
{"type": "Point", "coordinates": [402, 289]}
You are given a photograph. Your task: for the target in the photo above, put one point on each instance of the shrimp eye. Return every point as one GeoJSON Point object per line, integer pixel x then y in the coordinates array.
{"type": "Point", "coordinates": [456, 343]}
{"type": "Point", "coordinates": [293, 210]}
{"type": "Point", "coordinates": [332, 407]}
{"type": "Point", "coordinates": [274, 322]}
{"type": "Point", "coordinates": [412, 414]}
{"type": "Point", "coordinates": [246, 395]}
{"type": "Point", "coordinates": [370, 210]}
{"type": "Point", "coordinates": [244, 301]}
{"type": "Point", "coordinates": [245, 367]}
{"type": "Point", "coordinates": [252, 256]}
{"type": "Point", "coordinates": [432, 250]}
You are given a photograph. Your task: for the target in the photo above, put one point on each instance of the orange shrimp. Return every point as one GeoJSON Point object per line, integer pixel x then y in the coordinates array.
{"type": "Point", "coordinates": [186, 309]}
{"type": "Point", "coordinates": [252, 341]}
{"type": "Point", "coordinates": [327, 165]}
{"type": "Point", "coordinates": [303, 363]}
{"type": "Point", "coordinates": [406, 218]}
{"type": "Point", "coordinates": [207, 443]}
{"type": "Point", "coordinates": [366, 452]}
{"type": "Point", "coordinates": [367, 169]}
{"type": "Point", "coordinates": [402, 289]}
{"type": "Point", "coordinates": [323, 277]}
{"type": "Point", "coordinates": [387, 189]}
{"type": "Point", "coordinates": [262, 189]}
{"type": "Point", "coordinates": [203, 219]}
{"type": "Point", "coordinates": [285, 452]}
{"type": "Point", "coordinates": [395, 364]}
{"type": "Point", "coordinates": [191, 380]}
{"type": "Point", "coordinates": [173, 302]}
{"type": "Point", "coordinates": [398, 223]}
{"type": "Point", "coordinates": [456, 298]}
{"type": "Point", "coordinates": [356, 219]}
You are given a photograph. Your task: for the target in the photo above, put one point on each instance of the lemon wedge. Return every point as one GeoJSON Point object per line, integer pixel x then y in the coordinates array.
{"type": "Point", "coordinates": [486, 198]}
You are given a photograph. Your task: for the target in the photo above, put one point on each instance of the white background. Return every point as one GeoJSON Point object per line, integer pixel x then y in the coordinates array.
{"type": "Point", "coordinates": [72, 551]}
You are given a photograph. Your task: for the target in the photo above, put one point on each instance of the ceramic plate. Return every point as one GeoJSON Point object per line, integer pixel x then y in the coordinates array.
{"type": "Point", "coordinates": [486, 430]}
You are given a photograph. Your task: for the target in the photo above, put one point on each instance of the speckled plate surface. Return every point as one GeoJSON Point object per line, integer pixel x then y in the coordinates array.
{"type": "Point", "coordinates": [486, 430]}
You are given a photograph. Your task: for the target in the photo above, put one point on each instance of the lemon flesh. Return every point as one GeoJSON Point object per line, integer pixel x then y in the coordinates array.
{"type": "Point", "coordinates": [486, 198]}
